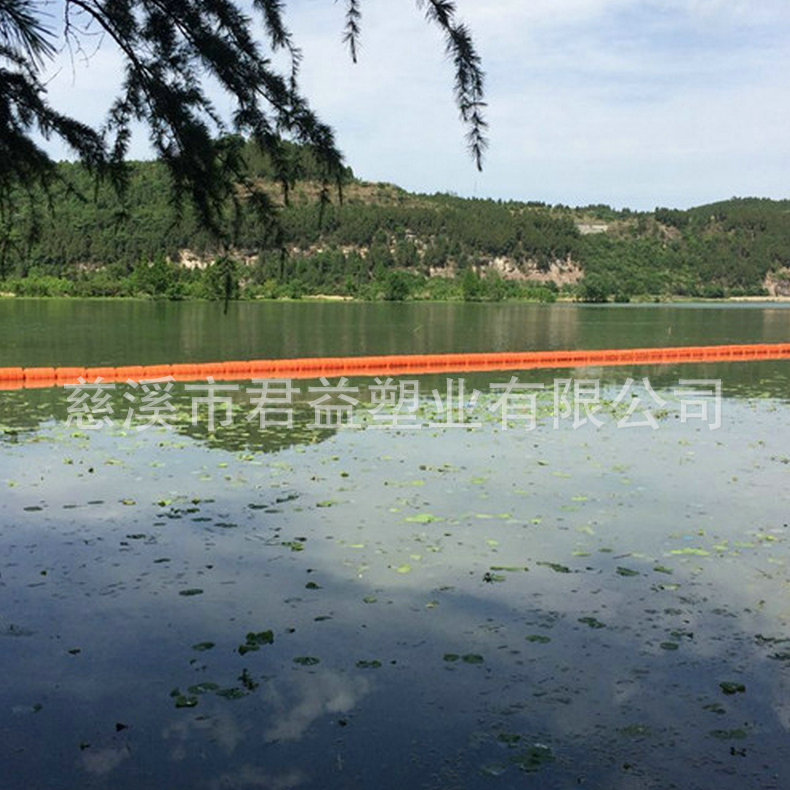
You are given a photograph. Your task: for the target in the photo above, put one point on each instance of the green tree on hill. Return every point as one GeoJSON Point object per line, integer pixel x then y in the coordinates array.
{"type": "Point", "coordinates": [171, 51]}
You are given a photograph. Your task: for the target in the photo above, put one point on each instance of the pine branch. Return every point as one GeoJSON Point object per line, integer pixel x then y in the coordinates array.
{"type": "Point", "coordinates": [280, 36]}
{"type": "Point", "coordinates": [351, 36]}
{"type": "Point", "coordinates": [22, 30]}
{"type": "Point", "coordinates": [469, 75]}
{"type": "Point", "coordinates": [169, 48]}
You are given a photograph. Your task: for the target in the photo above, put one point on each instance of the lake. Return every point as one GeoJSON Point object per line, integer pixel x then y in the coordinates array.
{"type": "Point", "coordinates": [581, 580]}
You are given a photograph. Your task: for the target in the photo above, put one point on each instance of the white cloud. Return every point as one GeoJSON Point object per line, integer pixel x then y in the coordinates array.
{"type": "Point", "coordinates": [306, 697]}
{"type": "Point", "coordinates": [638, 102]}
{"type": "Point", "coordinates": [101, 762]}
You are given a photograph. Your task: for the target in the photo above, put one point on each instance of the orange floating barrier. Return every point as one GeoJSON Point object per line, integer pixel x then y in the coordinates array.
{"type": "Point", "coordinates": [39, 378]}
{"type": "Point", "coordinates": [11, 375]}
{"type": "Point", "coordinates": [185, 371]}
{"type": "Point", "coordinates": [67, 376]}
{"type": "Point", "coordinates": [106, 374]}
{"type": "Point", "coordinates": [265, 369]}
{"type": "Point", "coordinates": [213, 370]}
{"type": "Point", "coordinates": [39, 374]}
{"type": "Point", "coordinates": [130, 373]}
{"type": "Point", "coordinates": [151, 372]}
{"type": "Point", "coordinates": [39, 383]}
{"type": "Point", "coordinates": [278, 367]}
{"type": "Point", "coordinates": [390, 365]}
{"type": "Point", "coordinates": [232, 371]}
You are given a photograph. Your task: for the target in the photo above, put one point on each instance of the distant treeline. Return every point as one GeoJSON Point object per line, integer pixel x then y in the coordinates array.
{"type": "Point", "coordinates": [721, 249]}
{"type": "Point", "coordinates": [377, 242]}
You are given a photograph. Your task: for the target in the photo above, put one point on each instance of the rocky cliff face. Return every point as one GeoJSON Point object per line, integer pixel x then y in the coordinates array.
{"type": "Point", "coordinates": [778, 283]}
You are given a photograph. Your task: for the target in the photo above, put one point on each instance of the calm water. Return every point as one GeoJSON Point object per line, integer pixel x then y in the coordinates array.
{"type": "Point", "coordinates": [72, 332]}
{"type": "Point", "coordinates": [468, 606]}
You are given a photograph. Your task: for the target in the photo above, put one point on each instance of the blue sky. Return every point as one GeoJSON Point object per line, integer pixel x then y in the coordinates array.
{"type": "Point", "coordinates": [633, 103]}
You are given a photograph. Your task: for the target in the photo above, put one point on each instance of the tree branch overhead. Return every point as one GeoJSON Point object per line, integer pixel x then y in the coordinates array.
{"type": "Point", "coordinates": [168, 48]}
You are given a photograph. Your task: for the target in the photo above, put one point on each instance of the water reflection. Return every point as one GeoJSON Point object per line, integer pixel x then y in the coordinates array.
{"type": "Point", "coordinates": [73, 332]}
{"type": "Point", "coordinates": [446, 607]}
{"type": "Point", "coordinates": [22, 412]}
{"type": "Point", "coordinates": [301, 700]}
{"type": "Point", "coordinates": [102, 762]}
{"type": "Point", "coordinates": [242, 427]}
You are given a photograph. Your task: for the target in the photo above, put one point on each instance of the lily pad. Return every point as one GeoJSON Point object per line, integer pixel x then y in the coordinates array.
{"type": "Point", "coordinates": [307, 661]}
{"type": "Point", "coordinates": [534, 758]}
{"type": "Point", "coordinates": [254, 641]}
{"type": "Point", "coordinates": [203, 688]}
{"type": "Point", "coordinates": [556, 567]}
{"type": "Point", "coordinates": [592, 622]}
{"type": "Point", "coordinates": [247, 681]}
{"type": "Point", "coordinates": [423, 518]}
{"type": "Point", "coordinates": [261, 638]}
{"type": "Point", "coordinates": [232, 693]}
{"type": "Point", "coordinates": [183, 700]}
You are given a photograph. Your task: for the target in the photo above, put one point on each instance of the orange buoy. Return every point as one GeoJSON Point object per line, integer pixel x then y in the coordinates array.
{"type": "Point", "coordinates": [390, 365]}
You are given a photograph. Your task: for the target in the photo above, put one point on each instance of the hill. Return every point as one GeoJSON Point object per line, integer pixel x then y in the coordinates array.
{"type": "Point", "coordinates": [380, 241]}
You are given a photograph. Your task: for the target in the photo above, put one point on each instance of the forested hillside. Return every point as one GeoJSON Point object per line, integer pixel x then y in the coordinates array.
{"type": "Point", "coordinates": [377, 241]}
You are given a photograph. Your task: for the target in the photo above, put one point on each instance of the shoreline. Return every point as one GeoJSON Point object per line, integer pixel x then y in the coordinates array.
{"type": "Point", "coordinates": [344, 299]}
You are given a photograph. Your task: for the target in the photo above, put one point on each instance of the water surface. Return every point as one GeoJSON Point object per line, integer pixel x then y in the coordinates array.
{"type": "Point", "coordinates": [114, 332]}
{"type": "Point", "coordinates": [437, 607]}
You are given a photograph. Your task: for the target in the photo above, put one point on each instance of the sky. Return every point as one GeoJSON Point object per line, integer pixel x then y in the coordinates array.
{"type": "Point", "coordinates": [630, 103]}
